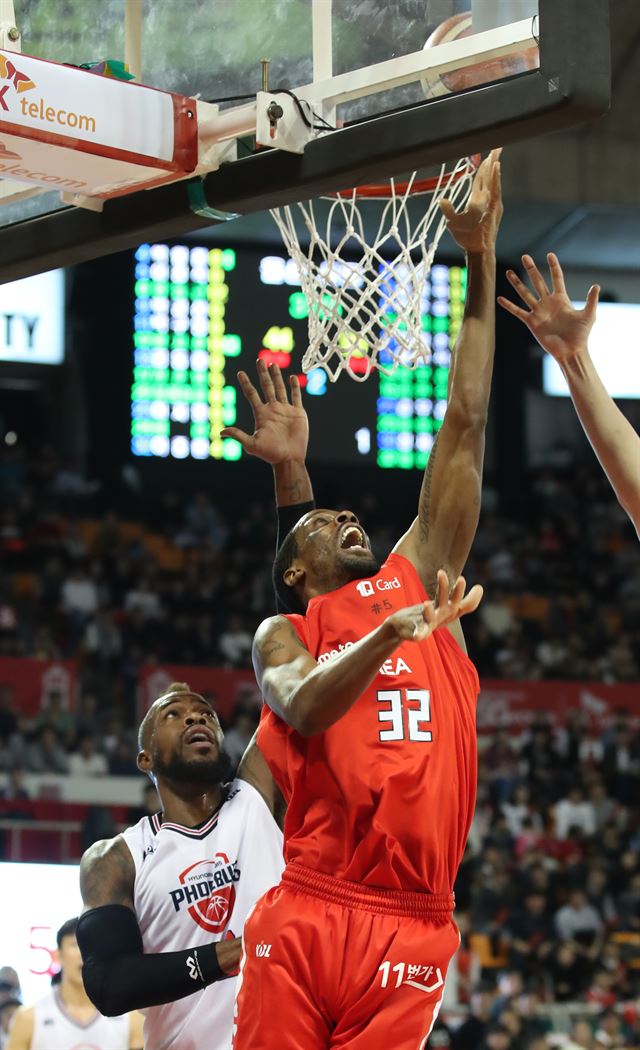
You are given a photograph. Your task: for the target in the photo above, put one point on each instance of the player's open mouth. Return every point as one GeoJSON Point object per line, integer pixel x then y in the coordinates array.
{"type": "Point", "coordinates": [352, 538]}
{"type": "Point", "coordinates": [199, 735]}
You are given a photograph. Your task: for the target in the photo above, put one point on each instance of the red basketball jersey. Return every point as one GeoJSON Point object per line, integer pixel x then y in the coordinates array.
{"type": "Point", "coordinates": [385, 796]}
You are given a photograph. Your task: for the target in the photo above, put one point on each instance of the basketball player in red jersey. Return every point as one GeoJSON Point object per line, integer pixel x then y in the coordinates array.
{"type": "Point", "coordinates": [370, 734]}
{"type": "Point", "coordinates": [162, 898]}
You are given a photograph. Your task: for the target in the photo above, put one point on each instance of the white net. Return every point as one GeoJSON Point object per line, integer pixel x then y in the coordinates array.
{"type": "Point", "coordinates": [365, 293]}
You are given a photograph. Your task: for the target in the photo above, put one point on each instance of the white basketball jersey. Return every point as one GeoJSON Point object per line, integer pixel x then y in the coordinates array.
{"type": "Point", "coordinates": [55, 1029]}
{"type": "Point", "coordinates": [194, 886]}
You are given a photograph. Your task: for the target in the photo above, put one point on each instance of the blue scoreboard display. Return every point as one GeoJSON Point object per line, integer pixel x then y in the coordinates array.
{"type": "Point", "coordinates": [202, 313]}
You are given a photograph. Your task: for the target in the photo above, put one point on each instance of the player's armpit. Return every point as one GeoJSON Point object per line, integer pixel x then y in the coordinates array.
{"type": "Point", "coordinates": [254, 769]}
{"type": "Point", "coordinates": [107, 874]}
{"type": "Point", "coordinates": [281, 663]}
{"type": "Point", "coordinates": [21, 1030]}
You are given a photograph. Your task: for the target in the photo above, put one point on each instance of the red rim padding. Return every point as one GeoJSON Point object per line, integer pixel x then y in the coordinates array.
{"type": "Point", "coordinates": [382, 190]}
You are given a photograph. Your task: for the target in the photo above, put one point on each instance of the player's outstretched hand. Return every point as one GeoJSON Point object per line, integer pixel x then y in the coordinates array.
{"type": "Point", "coordinates": [417, 622]}
{"type": "Point", "coordinates": [551, 318]}
{"type": "Point", "coordinates": [476, 227]}
{"type": "Point", "coordinates": [281, 426]}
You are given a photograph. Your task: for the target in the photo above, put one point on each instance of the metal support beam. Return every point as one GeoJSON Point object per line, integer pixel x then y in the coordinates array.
{"type": "Point", "coordinates": [133, 37]}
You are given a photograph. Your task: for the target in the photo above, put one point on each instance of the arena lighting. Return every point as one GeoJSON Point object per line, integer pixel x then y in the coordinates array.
{"type": "Point", "coordinates": [614, 347]}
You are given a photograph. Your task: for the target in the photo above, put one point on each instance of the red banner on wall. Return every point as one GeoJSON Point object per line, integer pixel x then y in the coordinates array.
{"type": "Point", "coordinates": [223, 686]}
{"type": "Point", "coordinates": [502, 703]}
{"type": "Point", "coordinates": [33, 681]}
{"type": "Point", "coordinates": [513, 705]}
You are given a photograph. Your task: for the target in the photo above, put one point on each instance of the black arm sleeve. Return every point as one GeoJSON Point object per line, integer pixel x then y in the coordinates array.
{"type": "Point", "coordinates": [119, 977]}
{"type": "Point", "coordinates": [290, 516]}
{"type": "Point", "coordinates": [287, 518]}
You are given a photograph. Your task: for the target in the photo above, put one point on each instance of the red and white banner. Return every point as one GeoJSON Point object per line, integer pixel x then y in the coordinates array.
{"type": "Point", "coordinates": [33, 681]}
{"type": "Point", "coordinates": [513, 705]}
{"type": "Point", "coordinates": [502, 704]}
{"type": "Point", "coordinates": [79, 132]}
{"type": "Point", "coordinates": [223, 686]}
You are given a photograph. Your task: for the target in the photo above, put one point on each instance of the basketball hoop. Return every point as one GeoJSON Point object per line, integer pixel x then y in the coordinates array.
{"type": "Point", "coordinates": [365, 294]}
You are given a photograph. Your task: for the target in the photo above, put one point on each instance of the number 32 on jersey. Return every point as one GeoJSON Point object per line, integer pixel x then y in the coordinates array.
{"type": "Point", "coordinates": [406, 711]}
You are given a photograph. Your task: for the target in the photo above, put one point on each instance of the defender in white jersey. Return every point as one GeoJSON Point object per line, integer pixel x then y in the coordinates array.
{"type": "Point", "coordinates": [66, 1019]}
{"type": "Point", "coordinates": [166, 901]}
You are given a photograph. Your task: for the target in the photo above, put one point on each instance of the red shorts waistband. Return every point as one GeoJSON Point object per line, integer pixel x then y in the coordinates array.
{"type": "Point", "coordinates": [368, 898]}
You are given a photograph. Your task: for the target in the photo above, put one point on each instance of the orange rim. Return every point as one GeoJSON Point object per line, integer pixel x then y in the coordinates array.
{"type": "Point", "coordinates": [383, 190]}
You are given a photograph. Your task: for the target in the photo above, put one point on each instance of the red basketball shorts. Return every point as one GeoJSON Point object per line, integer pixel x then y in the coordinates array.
{"type": "Point", "coordinates": [329, 963]}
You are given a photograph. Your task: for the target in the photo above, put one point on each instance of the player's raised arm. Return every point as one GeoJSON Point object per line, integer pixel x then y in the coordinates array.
{"type": "Point", "coordinates": [254, 769]}
{"type": "Point", "coordinates": [117, 974]}
{"type": "Point", "coordinates": [311, 697]}
{"type": "Point", "coordinates": [563, 332]}
{"type": "Point", "coordinates": [449, 506]}
{"type": "Point", "coordinates": [281, 433]}
{"type": "Point", "coordinates": [280, 437]}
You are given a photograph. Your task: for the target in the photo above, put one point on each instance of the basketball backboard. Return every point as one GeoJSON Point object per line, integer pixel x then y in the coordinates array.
{"type": "Point", "coordinates": [492, 72]}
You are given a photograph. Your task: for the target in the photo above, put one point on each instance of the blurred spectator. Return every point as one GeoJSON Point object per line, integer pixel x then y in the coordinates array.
{"type": "Point", "coordinates": [143, 600]}
{"type": "Point", "coordinates": [56, 714]}
{"type": "Point", "coordinates": [8, 716]}
{"type": "Point", "coordinates": [234, 644]}
{"type": "Point", "coordinates": [86, 761]}
{"type": "Point", "coordinates": [122, 759]}
{"type": "Point", "coordinates": [578, 920]}
{"type": "Point", "coordinates": [471, 1033]}
{"type": "Point", "coordinates": [238, 737]}
{"type": "Point", "coordinates": [15, 787]}
{"type": "Point", "coordinates": [497, 1037]}
{"type": "Point", "coordinates": [531, 934]}
{"type": "Point", "coordinates": [567, 969]}
{"type": "Point", "coordinates": [203, 523]}
{"type": "Point", "coordinates": [580, 1037]}
{"type": "Point", "coordinates": [150, 804]}
{"type": "Point", "coordinates": [45, 755]}
{"type": "Point", "coordinates": [520, 809]}
{"type": "Point", "coordinates": [8, 1008]}
{"type": "Point", "coordinates": [9, 984]}
{"type": "Point", "coordinates": [574, 811]}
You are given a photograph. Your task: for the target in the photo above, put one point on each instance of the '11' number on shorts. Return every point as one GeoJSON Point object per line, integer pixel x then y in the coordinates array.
{"type": "Point", "coordinates": [406, 711]}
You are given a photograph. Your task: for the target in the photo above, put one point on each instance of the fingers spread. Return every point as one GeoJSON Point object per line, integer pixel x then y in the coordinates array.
{"type": "Point", "coordinates": [472, 600]}
{"type": "Point", "coordinates": [555, 270]}
{"type": "Point", "coordinates": [593, 296]}
{"type": "Point", "coordinates": [266, 382]}
{"type": "Point", "coordinates": [448, 210]}
{"type": "Point", "coordinates": [245, 440]}
{"type": "Point", "coordinates": [249, 391]}
{"type": "Point", "coordinates": [525, 293]}
{"type": "Point", "coordinates": [517, 311]}
{"type": "Point", "coordinates": [278, 384]}
{"type": "Point", "coordinates": [458, 591]}
{"type": "Point", "coordinates": [535, 276]}
{"type": "Point", "coordinates": [296, 393]}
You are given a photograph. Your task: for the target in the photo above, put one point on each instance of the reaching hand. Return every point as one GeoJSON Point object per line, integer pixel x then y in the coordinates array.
{"type": "Point", "coordinates": [281, 428]}
{"type": "Point", "coordinates": [476, 228]}
{"type": "Point", "coordinates": [417, 622]}
{"type": "Point", "coordinates": [560, 329]}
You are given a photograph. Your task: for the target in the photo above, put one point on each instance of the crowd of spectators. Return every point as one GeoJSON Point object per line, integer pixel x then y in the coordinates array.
{"type": "Point", "coordinates": [188, 581]}
{"type": "Point", "coordinates": [548, 895]}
